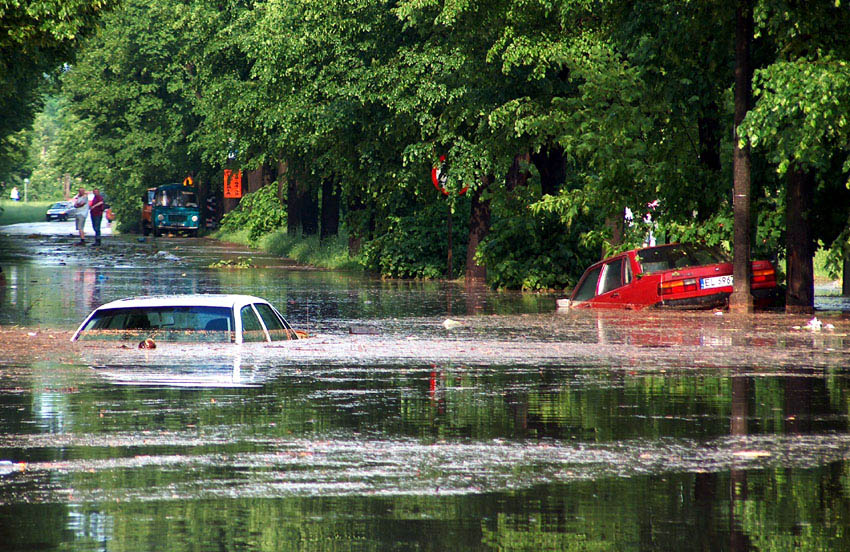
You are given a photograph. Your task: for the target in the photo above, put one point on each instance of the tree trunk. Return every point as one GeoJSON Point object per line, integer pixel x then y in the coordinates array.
{"type": "Point", "coordinates": [800, 295]}
{"type": "Point", "coordinates": [479, 226]}
{"type": "Point", "coordinates": [741, 300]}
{"type": "Point", "coordinates": [709, 138]}
{"type": "Point", "coordinates": [309, 209]}
{"type": "Point", "coordinates": [356, 223]}
{"type": "Point", "coordinates": [282, 168]}
{"type": "Point", "coordinates": [330, 208]}
{"type": "Point", "coordinates": [252, 181]}
{"type": "Point", "coordinates": [256, 179]}
{"type": "Point", "coordinates": [293, 206]}
{"type": "Point", "coordinates": [552, 166]}
{"type": "Point", "coordinates": [615, 224]}
{"type": "Point", "coordinates": [518, 174]}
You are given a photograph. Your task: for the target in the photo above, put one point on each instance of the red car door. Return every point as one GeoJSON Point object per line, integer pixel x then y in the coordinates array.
{"type": "Point", "coordinates": [610, 284]}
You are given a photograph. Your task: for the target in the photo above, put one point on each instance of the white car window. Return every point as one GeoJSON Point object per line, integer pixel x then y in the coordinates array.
{"type": "Point", "coordinates": [252, 330]}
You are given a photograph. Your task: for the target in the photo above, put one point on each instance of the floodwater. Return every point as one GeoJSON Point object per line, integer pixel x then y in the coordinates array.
{"type": "Point", "coordinates": [512, 427]}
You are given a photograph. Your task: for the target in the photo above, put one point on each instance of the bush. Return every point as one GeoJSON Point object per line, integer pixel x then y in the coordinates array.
{"type": "Point", "coordinates": [416, 245]}
{"type": "Point", "coordinates": [259, 212]}
{"type": "Point", "coordinates": [533, 251]}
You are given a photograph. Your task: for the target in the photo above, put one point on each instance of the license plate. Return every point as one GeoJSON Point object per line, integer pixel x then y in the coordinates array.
{"type": "Point", "coordinates": [715, 282]}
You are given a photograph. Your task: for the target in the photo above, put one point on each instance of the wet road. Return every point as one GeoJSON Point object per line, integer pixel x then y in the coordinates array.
{"type": "Point", "coordinates": [53, 228]}
{"type": "Point", "coordinates": [519, 428]}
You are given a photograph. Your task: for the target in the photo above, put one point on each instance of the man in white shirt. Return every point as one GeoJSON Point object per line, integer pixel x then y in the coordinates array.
{"type": "Point", "coordinates": [81, 213]}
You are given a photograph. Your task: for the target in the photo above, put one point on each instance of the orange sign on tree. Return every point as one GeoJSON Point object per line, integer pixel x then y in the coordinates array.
{"type": "Point", "coordinates": [232, 184]}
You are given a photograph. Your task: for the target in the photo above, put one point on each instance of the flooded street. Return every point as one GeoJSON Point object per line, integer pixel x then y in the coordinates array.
{"type": "Point", "coordinates": [417, 416]}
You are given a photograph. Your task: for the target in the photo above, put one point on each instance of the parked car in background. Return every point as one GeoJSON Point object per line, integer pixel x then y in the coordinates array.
{"type": "Point", "coordinates": [674, 275]}
{"type": "Point", "coordinates": [59, 211]}
{"type": "Point", "coordinates": [187, 318]}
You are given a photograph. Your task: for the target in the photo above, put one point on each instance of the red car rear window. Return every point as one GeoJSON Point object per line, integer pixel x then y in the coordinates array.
{"type": "Point", "coordinates": [667, 257]}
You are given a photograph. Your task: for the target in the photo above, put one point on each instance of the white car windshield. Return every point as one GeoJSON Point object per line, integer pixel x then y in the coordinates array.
{"type": "Point", "coordinates": [187, 323]}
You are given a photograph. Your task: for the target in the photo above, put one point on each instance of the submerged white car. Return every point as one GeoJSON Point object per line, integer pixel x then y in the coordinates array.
{"type": "Point", "coordinates": [187, 318]}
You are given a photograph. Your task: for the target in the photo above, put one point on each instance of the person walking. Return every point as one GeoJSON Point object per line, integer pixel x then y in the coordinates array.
{"type": "Point", "coordinates": [81, 213]}
{"type": "Point", "coordinates": [96, 211]}
{"type": "Point", "coordinates": [14, 195]}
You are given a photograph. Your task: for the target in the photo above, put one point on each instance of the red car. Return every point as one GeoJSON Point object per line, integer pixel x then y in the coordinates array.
{"type": "Point", "coordinates": [674, 275]}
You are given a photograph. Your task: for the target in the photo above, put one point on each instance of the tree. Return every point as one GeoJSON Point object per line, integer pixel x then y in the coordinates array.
{"type": "Point", "coordinates": [46, 177]}
{"type": "Point", "coordinates": [36, 39]}
{"type": "Point", "coordinates": [800, 123]}
{"type": "Point", "coordinates": [130, 91]}
{"type": "Point", "coordinates": [741, 299]}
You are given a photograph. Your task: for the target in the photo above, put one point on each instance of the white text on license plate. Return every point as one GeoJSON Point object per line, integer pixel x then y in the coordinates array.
{"type": "Point", "coordinates": [715, 282]}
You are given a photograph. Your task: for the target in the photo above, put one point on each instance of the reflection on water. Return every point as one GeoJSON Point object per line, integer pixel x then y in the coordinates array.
{"type": "Point", "coordinates": [59, 285]}
{"type": "Point", "coordinates": [494, 456]}
{"type": "Point", "coordinates": [517, 429]}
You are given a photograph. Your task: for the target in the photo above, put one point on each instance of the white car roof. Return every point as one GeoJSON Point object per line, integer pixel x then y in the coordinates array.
{"type": "Point", "coordinates": [187, 300]}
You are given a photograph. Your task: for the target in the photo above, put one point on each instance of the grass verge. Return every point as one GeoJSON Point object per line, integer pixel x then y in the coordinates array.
{"type": "Point", "coordinates": [15, 212]}
{"type": "Point", "coordinates": [332, 253]}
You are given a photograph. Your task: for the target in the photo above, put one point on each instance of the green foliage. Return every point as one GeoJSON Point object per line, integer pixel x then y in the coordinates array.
{"type": "Point", "coordinates": [131, 105]}
{"type": "Point", "coordinates": [329, 253]}
{"type": "Point", "coordinates": [46, 177]}
{"type": "Point", "coordinates": [238, 262]}
{"type": "Point", "coordinates": [533, 249]}
{"type": "Point", "coordinates": [716, 231]}
{"type": "Point", "coordinates": [260, 213]}
{"type": "Point", "coordinates": [415, 246]}
{"type": "Point", "coordinates": [801, 116]}
{"type": "Point", "coordinates": [836, 253]}
{"type": "Point", "coordinates": [35, 39]}
{"type": "Point", "coordinates": [14, 164]}
{"type": "Point", "coordinates": [370, 93]}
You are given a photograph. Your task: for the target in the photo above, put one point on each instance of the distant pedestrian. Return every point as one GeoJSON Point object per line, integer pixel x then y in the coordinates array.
{"type": "Point", "coordinates": [14, 195]}
{"type": "Point", "coordinates": [81, 213]}
{"type": "Point", "coordinates": [96, 211]}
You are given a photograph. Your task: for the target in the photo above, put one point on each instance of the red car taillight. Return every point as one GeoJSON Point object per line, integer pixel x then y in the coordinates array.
{"type": "Point", "coordinates": [677, 286]}
{"type": "Point", "coordinates": [764, 275]}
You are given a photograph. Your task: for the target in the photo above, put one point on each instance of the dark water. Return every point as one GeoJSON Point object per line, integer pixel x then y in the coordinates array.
{"type": "Point", "coordinates": [521, 429]}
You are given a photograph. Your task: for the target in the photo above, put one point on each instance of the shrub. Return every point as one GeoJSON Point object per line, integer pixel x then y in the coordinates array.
{"type": "Point", "coordinates": [416, 245]}
{"type": "Point", "coordinates": [260, 212]}
{"type": "Point", "coordinates": [533, 252]}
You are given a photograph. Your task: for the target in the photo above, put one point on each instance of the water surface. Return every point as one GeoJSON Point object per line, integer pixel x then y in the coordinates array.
{"type": "Point", "coordinates": [519, 429]}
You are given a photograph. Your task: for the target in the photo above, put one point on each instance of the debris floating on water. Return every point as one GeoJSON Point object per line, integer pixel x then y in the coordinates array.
{"type": "Point", "coordinates": [751, 453]}
{"type": "Point", "coordinates": [814, 325]}
{"type": "Point", "coordinates": [147, 344]}
{"type": "Point", "coordinates": [166, 255]}
{"type": "Point", "coordinates": [362, 330]}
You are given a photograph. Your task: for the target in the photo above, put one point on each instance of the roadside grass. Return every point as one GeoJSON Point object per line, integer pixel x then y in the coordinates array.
{"type": "Point", "coordinates": [331, 254]}
{"type": "Point", "coordinates": [825, 283]}
{"type": "Point", "coordinates": [821, 272]}
{"type": "Point", "coordinates": [15, 212]}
